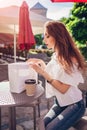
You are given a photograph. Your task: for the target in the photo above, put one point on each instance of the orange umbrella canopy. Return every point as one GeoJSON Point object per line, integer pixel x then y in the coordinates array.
{"type": "Point", "coordinates": [25, 37]}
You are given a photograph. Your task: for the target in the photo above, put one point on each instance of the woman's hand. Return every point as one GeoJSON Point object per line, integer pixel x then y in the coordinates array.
{"type": "Point", "coordinates": [39, 62]}
{"type": "Point", "coordinates": [37, 68]}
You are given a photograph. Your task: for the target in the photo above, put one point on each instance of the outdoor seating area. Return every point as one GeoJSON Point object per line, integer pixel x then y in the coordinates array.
{"type": "Point", "coordinates": [23, 90]}
{"type": "Point", "coordinates": [24, 115]}
{"type": "Point", "coordinates": [8, 53]}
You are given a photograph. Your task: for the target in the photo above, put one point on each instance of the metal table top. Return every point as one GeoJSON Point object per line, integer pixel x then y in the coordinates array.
{"type": "Point", "coordinates": [7, 98]}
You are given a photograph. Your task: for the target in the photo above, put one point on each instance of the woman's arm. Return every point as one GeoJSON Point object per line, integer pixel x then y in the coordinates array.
{"type": "Point", "coordinates": [61, 87]}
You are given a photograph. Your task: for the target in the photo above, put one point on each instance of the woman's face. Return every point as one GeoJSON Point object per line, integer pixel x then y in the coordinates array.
{"type": "Point", "coordinates": [49, 40]}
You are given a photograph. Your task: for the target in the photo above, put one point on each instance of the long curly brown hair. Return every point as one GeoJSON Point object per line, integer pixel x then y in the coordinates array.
{"type": "Point", "coordinates": [67, 49]}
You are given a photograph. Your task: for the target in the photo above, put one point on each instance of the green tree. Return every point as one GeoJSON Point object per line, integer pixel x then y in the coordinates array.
{"type": "Point", "coordinates": [77, 22]}
{"type": "Point", "coordinates": [38, 39]}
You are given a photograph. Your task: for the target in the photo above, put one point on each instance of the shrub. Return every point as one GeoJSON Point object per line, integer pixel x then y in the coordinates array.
{"type": "Point", "coordinates": [84, 51]}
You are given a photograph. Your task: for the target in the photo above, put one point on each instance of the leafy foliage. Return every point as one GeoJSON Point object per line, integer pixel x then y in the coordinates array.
{"type": "Point", "coordinates": [38, 39]}
{"type": "Point", "coordinates": [84, 51]}
{"type": "Point", "coordinates": [77, 22]}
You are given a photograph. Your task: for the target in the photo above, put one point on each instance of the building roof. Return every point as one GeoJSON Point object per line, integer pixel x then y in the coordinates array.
{"type": "Point", "coordinates": [38, 6]}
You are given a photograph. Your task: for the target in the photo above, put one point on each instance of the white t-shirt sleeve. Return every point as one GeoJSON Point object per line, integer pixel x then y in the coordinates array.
{"type": "Point", "coordinates": [72, 79]}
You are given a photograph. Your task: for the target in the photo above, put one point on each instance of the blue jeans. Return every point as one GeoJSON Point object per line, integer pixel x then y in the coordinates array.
{"type": "Point", "coordinates": [62, 118]}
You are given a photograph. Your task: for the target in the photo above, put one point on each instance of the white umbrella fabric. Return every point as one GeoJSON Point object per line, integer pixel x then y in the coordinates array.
{"type": "Point", "coordinates": [9, 22]}
{"type": "Point", "coordinates": [9, 16]}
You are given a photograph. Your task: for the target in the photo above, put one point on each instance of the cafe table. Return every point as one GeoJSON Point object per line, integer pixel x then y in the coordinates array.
{"type": "Point", "coordinates": [13, 100]}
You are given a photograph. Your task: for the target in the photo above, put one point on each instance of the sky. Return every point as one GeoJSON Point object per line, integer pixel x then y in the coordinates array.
{"type": "Point", "coordinates": [54, 10]}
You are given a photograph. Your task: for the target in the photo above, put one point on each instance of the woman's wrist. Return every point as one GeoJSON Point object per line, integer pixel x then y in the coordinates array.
{"type": "Point", "coordinates": [50, 81]}
{"type": "Point", "coordinates": [47, 76]}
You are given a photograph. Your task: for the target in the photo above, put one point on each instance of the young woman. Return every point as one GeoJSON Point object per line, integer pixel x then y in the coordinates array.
{"type": "Point", "coordinates": [63, 75]}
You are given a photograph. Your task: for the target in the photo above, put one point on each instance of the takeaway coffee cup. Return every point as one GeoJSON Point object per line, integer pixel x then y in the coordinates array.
{"type": "Point", "coordinates": [30, 86]}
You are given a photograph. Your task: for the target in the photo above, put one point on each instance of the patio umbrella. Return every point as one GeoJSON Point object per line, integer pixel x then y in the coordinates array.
{"type": "Point", "coordinates": [25, 37]}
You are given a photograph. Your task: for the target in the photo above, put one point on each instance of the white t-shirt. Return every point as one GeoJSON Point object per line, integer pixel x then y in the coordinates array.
{"type": "Point", "coordinates": [73, 94]}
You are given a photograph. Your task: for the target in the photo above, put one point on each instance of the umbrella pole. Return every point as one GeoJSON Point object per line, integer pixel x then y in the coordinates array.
{"type": "Point", "coordinates": [14, 44]}
{"type": "Point", "coordinates": [26, 54]}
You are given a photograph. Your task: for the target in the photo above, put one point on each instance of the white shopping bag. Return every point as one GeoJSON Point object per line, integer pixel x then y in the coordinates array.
{"type": "Point", "coordinates": [18, 73]}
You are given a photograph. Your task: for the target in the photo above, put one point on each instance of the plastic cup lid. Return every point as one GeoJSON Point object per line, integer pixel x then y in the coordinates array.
{"type": "Point", "coordinates": [30, 81]}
